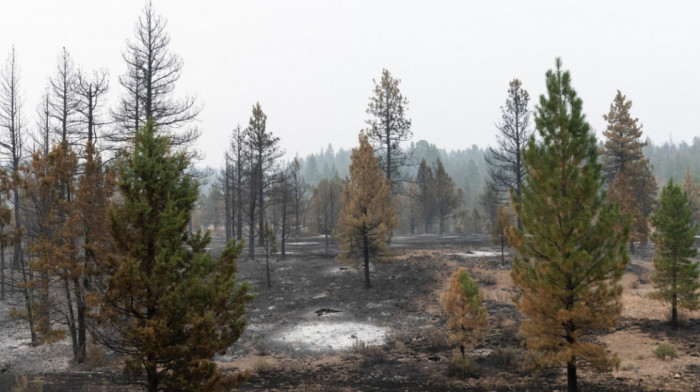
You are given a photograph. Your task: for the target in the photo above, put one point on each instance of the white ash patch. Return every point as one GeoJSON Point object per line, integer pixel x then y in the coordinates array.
{"type": "Point", "coordinates": [17, 353]}
{"type": "Point", "coordinates": [475, 253]}
{"type": "Point", "coordinates": [331, 336]}
{"type": "Point", "coordinates": [339, 270]}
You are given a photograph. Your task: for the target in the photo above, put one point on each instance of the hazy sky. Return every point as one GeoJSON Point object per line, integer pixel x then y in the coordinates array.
{"type": "Point", "coordinates": [310, 64]}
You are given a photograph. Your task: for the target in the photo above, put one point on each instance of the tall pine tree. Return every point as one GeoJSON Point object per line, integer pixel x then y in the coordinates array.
{"type": "Point", "coordinates": [675, 275]}
{"type": "Point", "coordinates": [368, 215]}
{"type": "Point", "coordinates": [571, 250]}
{"type": "Point", "coordinates": [628, 173]}
{"type": "Point", "coordinates": [388, 127]}
{"type": "Point", "coordinates": [169, 305]}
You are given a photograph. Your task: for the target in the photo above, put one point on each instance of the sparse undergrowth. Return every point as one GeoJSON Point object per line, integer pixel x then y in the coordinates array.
{"type": "Point", "coordinates": [665, 350]}
{"type": "Point", "coordinates": [460, 367]}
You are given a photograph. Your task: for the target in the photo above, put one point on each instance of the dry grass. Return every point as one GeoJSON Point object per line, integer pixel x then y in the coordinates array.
{"type": "Point", "coordinates": [462, 367]}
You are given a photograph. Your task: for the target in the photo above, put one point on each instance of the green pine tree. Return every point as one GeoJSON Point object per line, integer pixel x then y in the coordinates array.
{"type": "Point", "coordinates": [571, 250]}
{"type": "Point", "coordinates": [675, 276]}
{"type": "Point", "coordinates": [168, 305]}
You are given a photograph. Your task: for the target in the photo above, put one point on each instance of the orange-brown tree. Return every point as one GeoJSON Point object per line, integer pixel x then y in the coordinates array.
{"type": "Point", "coordinates": [629, 177]}
{"type": "Point", "coordinates": [325, 205]}
{"type": "Point", "coordinates": [367, 216]}
{"type": "Point", "coordinates": [571, 250]}
{"type": "Point", "coordinates": [467, 318]}
{"type": "Point", "coordinates": [52, 243]}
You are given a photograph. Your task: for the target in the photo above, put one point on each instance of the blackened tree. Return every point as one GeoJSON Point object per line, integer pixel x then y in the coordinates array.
{"type": "Point", "coordinates": [149, 83]}
{"type": "Point", "coordinates": [506, 168]}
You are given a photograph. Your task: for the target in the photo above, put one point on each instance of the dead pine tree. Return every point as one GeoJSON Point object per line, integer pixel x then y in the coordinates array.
{"type": "Point", "coordinates": [152, 73]}
{"type": "Point", "coordinates": [368, 215]}
{"type": "Point", "coordinates": [506, 168]}
{"type": "Point", "coordinates": [270, 247]}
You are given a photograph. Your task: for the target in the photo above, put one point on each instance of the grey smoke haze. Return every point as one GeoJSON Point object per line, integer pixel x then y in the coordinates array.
{"type": "Point", "coordinates": [311, 63]}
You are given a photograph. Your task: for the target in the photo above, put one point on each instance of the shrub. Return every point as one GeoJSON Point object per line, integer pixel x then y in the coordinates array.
{"type": "Point", "coordinates": [261, 366]}
{"type": "Point", "coordinates": [373, 355]}
{"type": "Point", "coordinates": [435, 339]}
{"type": "Point", "coordinates": [507, 356]}
{"type": "Point", "coordinates": [488, 279]}
{"type": "Point", "coordinates": [399, 347]}
{"type": "Point", "coordinates": [22, 384]}
{"type": "Point", "coordinates": [467, 319]}
{"type": "Point", "coordinates": [665, 350]}
{"type": "Point", "coordinates": [462, 367]}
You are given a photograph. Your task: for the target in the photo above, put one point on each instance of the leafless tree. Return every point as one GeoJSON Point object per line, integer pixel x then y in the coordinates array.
{"type": "Point", "coordinates": [64, 102]}
{"type": "Point", "coordinates": [90, 89]}
{"type": "Point", "coordinates": [42, 137]}
{"type": "Point", "coordinates": [149, 83]}
{"type": "Point", "coordinates": [299, 192]}
{"type": "Point", "coordinates": [12, 144]}
{"type": "Point", "coordinates": [12, 139]}
{"type": "Point", "coordinates": [265, 151]}
{"type": "Point", "coordinates": [505, 162]}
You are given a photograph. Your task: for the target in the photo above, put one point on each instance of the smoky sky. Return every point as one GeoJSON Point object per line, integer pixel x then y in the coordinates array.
{"type": "Point", "coordinates": [310, 64]}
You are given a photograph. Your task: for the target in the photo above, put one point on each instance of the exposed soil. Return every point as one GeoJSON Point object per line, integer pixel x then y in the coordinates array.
{"type": "Point", "coordinates": [319, 329]}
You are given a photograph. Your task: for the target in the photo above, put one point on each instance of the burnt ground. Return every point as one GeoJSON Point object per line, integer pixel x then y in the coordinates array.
{"type": "Point", "coordinates": [318, 329]}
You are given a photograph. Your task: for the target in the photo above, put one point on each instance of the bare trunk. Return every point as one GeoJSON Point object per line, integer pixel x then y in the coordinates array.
{"type": "Point", "coordinates": [28, 299]}
{"type": "Point", "coordinates": [17, 259]}
{"type": "Point", "coordinates": [284, 229]}
{"type": "Point", "coordinates": [251, 231]}
{"type": "Point", "coordinates": [239, 202]}
{"type": "Point", "coordinates": [267, 262]}
{"type": "Point", "coordinates": [81, 309]}
{"type": "Point", "coordinates": [366, 257]}
{"type": "Point", "coordinates": [503, 245]}
{"type": "Point", "coordinates": [71, 320]}
{"type": "Point", "coordinates": [2, 272]}
{"type": "Point", "coordinates": [674, 312]}
{"type": "Point", "coordinates": [152, 376]}
{"type": "Point", "coordinates": [228, 218]}
{"type": "Point", "coordinates": [572, 381]}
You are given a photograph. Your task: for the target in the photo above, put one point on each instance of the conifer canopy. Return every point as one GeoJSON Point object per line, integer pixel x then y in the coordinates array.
{"type": "Point", "coordinates": [571, 250]}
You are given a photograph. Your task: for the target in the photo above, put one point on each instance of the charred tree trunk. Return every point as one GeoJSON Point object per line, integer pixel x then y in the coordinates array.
{"type": "Point", "coordinates": [572, 380]}
{"type": "Point", "coordinates": [365, 249]}
{"type": "Point", "coordinates": [28, 300]}
{"type": "Point", "coordinates": [71, 320]}
{"type": "Point", "coordinates": [81, 308]}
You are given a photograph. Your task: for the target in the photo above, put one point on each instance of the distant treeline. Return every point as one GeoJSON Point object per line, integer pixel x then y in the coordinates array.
{"type": "Point", "coordinates": [469, 171]}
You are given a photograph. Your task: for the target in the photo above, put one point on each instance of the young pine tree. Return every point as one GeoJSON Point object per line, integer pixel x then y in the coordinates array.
{"type": "Point", "coordinates": [571, 251]}
{"type": "Point", "coordinates": [367, 216]}
{"type": "Point", "coordinates": [675, 276]}
{"type": "Point", "coordinates": [498, 230]}
{"type": "Point", "coordinates": [169, 305]}
{"type": "Point", "coordinates": [467, 318]}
